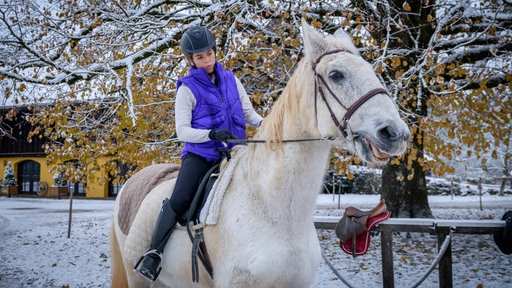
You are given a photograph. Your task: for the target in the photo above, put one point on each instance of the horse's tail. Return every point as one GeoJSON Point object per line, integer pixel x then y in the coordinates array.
{"type": "Point", "coordinates": [119, 279]}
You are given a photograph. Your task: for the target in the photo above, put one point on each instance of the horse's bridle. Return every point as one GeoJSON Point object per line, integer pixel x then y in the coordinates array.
{"type": "Point", "coordinates": [351, 109]}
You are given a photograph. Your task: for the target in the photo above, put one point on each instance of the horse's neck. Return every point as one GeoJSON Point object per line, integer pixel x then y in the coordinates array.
{"type": "Point", "coordinates": [288, 178]}
{"type": "Point", "coordinates": [287, 181]}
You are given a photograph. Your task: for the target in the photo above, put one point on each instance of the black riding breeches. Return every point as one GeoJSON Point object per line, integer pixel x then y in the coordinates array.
{"type": "Point", "coordinates": [193, 169]}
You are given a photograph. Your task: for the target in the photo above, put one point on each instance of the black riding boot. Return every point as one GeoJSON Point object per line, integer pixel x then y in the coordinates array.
{"type": "Point", "coordinates": [150, 261]}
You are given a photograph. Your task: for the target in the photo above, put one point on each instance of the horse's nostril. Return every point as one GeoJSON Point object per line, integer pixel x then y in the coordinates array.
{"type": "Point", "coordinates": [388, 132]}
{"type": "Point", "coordinates": [393, 133]}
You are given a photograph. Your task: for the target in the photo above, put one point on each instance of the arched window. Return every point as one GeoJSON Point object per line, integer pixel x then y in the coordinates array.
{"type": "Point", "coordinates": [29, 176]}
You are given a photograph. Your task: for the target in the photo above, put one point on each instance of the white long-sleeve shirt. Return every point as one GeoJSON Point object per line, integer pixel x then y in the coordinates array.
{"type": "Point", "coordinates": [185, 103]}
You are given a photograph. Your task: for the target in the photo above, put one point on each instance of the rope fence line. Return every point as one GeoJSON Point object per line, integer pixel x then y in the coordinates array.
{"type": "Point", "coordinates": [444, 230]}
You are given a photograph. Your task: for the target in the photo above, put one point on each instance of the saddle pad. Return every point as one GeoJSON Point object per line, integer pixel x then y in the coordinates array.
{"type": "Point", "coordinates": [138, 187]}
{"type": "Point", "coordinates": [210, 212]}
{"type": "Point", "coordinates": [363, 239]}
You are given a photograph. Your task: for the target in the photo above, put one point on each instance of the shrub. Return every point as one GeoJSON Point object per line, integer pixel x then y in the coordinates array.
{"type": "Point", "coordinates": [58, 180]}
{"type": "Point", "coordinates": [9, 177]}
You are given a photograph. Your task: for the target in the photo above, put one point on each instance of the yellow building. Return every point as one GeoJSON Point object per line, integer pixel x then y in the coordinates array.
{"type": "Point", "coordinates": [29, 162]}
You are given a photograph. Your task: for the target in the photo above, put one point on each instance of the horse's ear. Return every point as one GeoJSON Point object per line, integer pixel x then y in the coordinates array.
{"type": "Point", "coordinates": [341, 34]}
{"type": "Point", "coordinates": [347, 40]}
{"type": "Point", "coordinates": [314, 42]}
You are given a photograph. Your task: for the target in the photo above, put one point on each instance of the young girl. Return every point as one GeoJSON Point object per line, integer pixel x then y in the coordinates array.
{"type": "Point", "coordinates": [211, 106]}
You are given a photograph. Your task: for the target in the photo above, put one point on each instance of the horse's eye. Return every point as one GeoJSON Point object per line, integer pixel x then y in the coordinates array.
{"type": "Point", "coordinates": [336, 76]}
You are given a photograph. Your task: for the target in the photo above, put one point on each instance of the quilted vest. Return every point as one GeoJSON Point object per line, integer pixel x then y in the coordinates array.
{"type": "Point", "coordinates": [217, 107]}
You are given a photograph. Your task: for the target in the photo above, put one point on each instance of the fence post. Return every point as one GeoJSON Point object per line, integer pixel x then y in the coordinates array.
{"type": "Point", "coordinates": [386, 243]}
{"type": "Point", "coordinates": [445, 265]}
{"type": "Point", "coordinates": [480, 192]}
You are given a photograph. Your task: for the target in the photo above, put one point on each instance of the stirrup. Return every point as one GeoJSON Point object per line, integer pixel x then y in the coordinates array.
{"type": "Point", "coordinates": [158, 270]}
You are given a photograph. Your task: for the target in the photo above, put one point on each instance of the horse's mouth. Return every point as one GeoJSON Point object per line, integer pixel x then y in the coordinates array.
{"type": "Point", "coordinates": [379, 155]}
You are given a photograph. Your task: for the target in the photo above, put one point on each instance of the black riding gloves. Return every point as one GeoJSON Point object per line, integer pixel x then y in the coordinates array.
{"type": "Point", "coordinates": [221, 135]}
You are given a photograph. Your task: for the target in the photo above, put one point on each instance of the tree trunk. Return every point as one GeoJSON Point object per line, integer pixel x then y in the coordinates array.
{"type": "Point", "coordinates": [405, 189]}
{"type": "Point", "coordinates": [404, 185]}
{"type": "Point", "coordinates": [405, 198]}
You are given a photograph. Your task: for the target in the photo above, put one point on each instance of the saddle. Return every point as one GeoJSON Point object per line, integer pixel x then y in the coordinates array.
{"type": "Point", "coordinates": [354, 228]}
{"type": "Point", "coordinates": [191, 217]}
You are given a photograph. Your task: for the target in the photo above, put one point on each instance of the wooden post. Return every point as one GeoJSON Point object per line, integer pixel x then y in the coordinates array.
{"type": "Point", "coordinates": [70, 212]}
{"type": "Point", "coordinates": [333, 187]}
{"type": "Point", "coordinates": [480, 192]}
{"type": "Point", "coordinates": [445, 264]}
{"type": "Point", "coordinates": [386, 243]}
{"type": "Point", "coordinates": [339, 195]}
{"type": "Point", "coordinates": [451, 188]}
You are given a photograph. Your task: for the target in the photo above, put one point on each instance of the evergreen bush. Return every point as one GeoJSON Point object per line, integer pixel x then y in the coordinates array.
{"type": "Point", "coordinates": [58, 180]}
{"type": "Point", "coordinates": [9, 177]}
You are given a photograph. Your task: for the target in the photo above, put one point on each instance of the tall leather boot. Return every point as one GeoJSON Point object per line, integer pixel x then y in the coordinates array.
{"type": "Point", "coordinates": [150, 261]}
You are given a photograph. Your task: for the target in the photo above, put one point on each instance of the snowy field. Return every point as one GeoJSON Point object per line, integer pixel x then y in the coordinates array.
{"type": "Point", "coordinates": [36, 251]}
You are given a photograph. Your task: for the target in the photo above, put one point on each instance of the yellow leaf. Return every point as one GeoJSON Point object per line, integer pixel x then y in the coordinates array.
{"type": "Point", "coordinates": [406, 7]}
{"type": "Point", "coordinates": [316, 23]}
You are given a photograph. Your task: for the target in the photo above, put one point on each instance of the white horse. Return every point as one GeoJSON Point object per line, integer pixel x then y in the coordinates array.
{"type": "Point", "coordinates": [265, 236]}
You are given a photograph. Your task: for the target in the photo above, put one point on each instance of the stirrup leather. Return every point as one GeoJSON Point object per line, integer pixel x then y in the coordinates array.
{"type": "Point", "coordinates": [159, 268]}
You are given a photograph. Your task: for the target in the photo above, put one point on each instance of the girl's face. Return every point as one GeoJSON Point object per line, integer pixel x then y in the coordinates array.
{"type": "Point", "coordinates": [205, 60]}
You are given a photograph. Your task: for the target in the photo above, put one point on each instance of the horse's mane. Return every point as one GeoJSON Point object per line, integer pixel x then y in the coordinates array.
{"type": "Point", "coordinates": [271, 129]}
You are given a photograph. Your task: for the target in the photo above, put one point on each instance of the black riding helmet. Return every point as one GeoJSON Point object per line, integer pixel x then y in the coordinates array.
{"type": "Point", "coordinates": [197, 39]}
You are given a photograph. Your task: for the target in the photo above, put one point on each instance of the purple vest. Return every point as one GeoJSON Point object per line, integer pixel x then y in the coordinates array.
{"type": "Point", "coordinates": [217, 107]}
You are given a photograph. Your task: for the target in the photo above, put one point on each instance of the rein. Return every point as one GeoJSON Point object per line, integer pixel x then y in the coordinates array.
{"type": "Point", "coordinates": [247, 141]}
{"type": "Point", "coordinates": [351, 109]}
{"type": "Point", "coordinates": [318, 90]}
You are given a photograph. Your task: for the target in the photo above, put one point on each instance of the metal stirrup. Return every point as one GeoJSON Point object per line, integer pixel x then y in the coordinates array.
{"type": "Point", "coordinates": [159, 268]}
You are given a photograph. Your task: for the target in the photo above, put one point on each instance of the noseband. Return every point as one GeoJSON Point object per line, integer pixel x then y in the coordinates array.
{"type": "Point", "coordinates": [350, 110]}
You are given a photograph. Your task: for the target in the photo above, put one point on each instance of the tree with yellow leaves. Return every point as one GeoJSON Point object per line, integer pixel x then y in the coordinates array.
{"type": "Point", "coordinates": [104, 73]}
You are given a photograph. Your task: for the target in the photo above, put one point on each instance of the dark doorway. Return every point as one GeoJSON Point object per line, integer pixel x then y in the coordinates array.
{"type": "Point", "coordinates": [29, 177]}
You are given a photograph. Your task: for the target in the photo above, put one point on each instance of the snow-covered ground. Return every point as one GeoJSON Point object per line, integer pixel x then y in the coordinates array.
{"type": "Point", "coordinates": [36, 251]}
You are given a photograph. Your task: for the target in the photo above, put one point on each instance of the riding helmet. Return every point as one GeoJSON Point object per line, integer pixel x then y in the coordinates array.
{"type": "Point", "coordinates": [197, 39]}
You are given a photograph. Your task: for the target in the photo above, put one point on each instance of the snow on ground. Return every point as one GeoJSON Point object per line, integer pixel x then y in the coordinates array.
{"type": "Point", "coordinates": [36, 251]}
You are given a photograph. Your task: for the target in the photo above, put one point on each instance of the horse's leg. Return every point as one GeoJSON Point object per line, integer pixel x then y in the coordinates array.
{"type": "Point", "coordinates": [118, 272]}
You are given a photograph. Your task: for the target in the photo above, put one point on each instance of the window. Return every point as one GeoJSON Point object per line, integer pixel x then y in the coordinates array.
{"type": "Point", "coordinates": [29, 176]}
{"type": "Point", "coordinates": [76, 188]}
